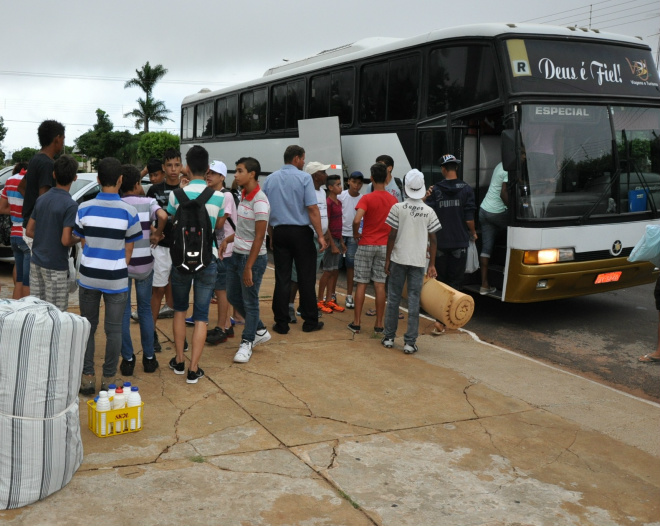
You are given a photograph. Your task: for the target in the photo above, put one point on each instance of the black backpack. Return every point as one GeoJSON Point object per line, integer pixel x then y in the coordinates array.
{"type": "Point", "coordinates": [192, 242]}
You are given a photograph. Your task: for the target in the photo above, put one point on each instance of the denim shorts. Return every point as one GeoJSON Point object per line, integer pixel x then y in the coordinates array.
{"type": "Point", "coordinates": [221, 276]}
{"type": "Point", "coordinates": [491, 225]}
{"type": "Point", "coordinates": [22, 257]}
{"type": "Point", "coordinates": [202, 283]}
{"type": "Point", "coordinates": [351, 249]}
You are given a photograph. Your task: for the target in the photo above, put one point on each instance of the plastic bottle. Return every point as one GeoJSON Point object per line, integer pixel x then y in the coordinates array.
{"type": "Point", "coordinates": [119, 403]}
{"type": "Point", "coordinates": [127, 389]}
{"type": "Point", "coordinates": [102, 408]}
{"type": "Point", "coordinates": [134, 400]}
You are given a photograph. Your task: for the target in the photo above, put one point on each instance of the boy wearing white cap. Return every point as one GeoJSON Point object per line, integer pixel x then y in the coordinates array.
{"type": "Point", "coordinates": [413, 227]}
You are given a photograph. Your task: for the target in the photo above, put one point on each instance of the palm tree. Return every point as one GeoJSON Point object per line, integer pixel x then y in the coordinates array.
{"type": "Point", "coordinates": [149, 109]}
{"type": "Point", "coordinates": [146, 78]}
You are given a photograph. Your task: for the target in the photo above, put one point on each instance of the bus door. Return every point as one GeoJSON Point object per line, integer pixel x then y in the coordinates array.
{"type": "Point", "coordinates": [322, 143]}
{"type": "Point", "coordinates": [477, 141]}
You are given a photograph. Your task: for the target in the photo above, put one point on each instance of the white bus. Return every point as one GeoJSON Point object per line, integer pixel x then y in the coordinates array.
{"type": "Point", "coordinates": [573, 115]}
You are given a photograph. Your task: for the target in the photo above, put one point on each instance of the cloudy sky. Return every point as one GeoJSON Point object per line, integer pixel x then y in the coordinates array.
{"type": "Point", "coordinates": [63, 60]}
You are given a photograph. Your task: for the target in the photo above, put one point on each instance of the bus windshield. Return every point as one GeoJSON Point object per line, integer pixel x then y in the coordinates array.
{"type": "Point", "coordinates": [571, 169]}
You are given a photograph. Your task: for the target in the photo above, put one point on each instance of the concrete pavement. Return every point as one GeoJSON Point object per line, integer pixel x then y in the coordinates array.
{"type": "Point", "coordinates": [330, 428]}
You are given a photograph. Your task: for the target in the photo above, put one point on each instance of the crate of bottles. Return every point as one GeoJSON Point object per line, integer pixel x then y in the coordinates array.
{"type": "Point", "coordinates": [115, 421]}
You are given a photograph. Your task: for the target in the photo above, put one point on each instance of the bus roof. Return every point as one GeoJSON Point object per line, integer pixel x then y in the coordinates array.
{"type": "Point", "coordinates": [377, 45]}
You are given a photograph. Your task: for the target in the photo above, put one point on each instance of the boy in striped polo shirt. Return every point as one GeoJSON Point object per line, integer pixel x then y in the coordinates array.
{"type": "Point", "coordinates": [247, 265]}
{"type": "Point", "coordinates": [11, 203]}
{"type": "Point", "coordinates": [140, 269]}
{"type": "Point", "coordinates": [203, 280]}
{"type": "Point", "coordinates": [108, 228]}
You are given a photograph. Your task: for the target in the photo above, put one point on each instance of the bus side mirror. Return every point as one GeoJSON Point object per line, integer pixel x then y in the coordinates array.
{"type": "Point", "coordinates": [509, 157]}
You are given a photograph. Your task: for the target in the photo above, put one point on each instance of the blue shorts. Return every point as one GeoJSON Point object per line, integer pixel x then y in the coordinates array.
{"type": "Point", "coordinates": [22, 257]}
{"type": "Point", "coordinates": [351, 249]}
{"type": "Point", "coordinates": [221, 276]}
{"type": "Point", "coordinates": [202, 283]}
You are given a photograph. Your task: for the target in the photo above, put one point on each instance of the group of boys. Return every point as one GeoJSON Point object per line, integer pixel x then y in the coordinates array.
{"type": "Point", "coordinates": [128, 239]}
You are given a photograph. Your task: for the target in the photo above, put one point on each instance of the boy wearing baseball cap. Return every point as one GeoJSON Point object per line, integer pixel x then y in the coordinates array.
{"type": "Point", "coordinates": [413, 228]}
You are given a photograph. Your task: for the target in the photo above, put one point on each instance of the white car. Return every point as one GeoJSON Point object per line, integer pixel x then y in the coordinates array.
{"type": "Point", "coordinates": [83, 189]}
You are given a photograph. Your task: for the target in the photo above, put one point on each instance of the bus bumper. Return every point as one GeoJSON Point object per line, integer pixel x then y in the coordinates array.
{"type": "Point", "coordinates": [532, 283]}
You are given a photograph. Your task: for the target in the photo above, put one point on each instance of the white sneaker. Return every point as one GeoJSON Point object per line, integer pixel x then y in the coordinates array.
{"type": "Point", "coordinates": [244, 352]}
{"type": "Point", "coordinates": [166, 312]}
{"type": "Point", "coordinates": [134, 316]}
{"type": "Point", "coordinates": [410, 349]}
{"type": "Point", "coordinates": [261, 336]}
{"type": "Point", "coordinates": [350, 304]}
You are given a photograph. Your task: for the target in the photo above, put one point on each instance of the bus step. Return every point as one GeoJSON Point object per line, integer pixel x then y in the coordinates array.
{"type": "Point", "coordinates": [475, 288]}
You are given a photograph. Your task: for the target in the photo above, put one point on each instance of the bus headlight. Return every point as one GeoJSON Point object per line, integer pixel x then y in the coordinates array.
{"type": "Point", "coordinates": [548, 255]}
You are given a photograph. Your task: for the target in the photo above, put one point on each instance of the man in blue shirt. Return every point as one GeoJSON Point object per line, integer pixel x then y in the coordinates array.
{"type": "Point", "coordinates": [293, 207]}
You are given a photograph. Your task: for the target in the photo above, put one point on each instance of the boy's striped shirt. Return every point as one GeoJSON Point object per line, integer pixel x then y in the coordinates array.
{"type": "Point", "coordinates": [107, 224]}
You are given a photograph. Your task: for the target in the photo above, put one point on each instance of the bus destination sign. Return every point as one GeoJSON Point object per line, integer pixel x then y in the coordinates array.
{"type": "Point", "coordinates": [584, 68]}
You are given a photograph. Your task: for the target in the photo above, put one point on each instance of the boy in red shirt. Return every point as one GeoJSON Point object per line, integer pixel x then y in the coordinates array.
{"type": "Point", "coordinates": [372, 246]}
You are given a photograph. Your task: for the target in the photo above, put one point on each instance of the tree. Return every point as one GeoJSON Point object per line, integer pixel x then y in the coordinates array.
{"type": "Point", "coordinates": [149, 109]}
{"type": "Point", "coordinates": [102, 141]}
{"type": "Point", "coordinates": [3, 129]}
{"type": "Point", "coordinates": [154, 144]}
{"type": "Point", "coordinates": [23, 155]}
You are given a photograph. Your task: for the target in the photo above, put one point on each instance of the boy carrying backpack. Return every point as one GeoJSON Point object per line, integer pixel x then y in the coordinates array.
{"type": "Point", "coordinates": [198, 211]}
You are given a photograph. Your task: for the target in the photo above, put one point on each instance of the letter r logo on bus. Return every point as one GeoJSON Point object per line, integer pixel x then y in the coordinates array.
{"type": "Point", "coordinates": [521, 68]}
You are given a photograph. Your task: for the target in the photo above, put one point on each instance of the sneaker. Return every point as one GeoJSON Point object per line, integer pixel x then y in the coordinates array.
{"type": "Point", "coordinates": [150, 364]}
{"type": "Point", "coordinates": [190, 321]}
{"type": "Point", "coordinates": [244, 352]}
{"type": "Point", "coordinates": [387, 342]}
{"type": "Point", "coordinates": [410, 349]}
{"type": "Point", "coordinates": [317, 310]}
{"type": "Point", "coordinates": [178, 368]}
{"type": "Point", "coordinates": [229, 331]}
{"type": "Point", "coordinates": [87, 384]}
{"type": "Point", "coordinates": [215, 336]}
{"type": "Point", "coordinates": [127, 367]}
{"type": "Point", "coordinates": [261, 336]}
{"type": "Point", "coordinates": [194, 376]}
{"type": "Point", "coordinates": [166, 312]}
{"type": "Point", "coordinates": [157, 347]}
{"type": "Point", "coordinates": [185, 345]}
{"type": "Point", "coordinates": [379, 330]}
{"type": "Point", "coordinates": [317, 327]}
{"type": "Point", "coordinates": [292, 314]}
{"type": "Point", "coordinates": [355, 329]}
{"type": "Point", "coordinates": [332, 305]}
{"type": "Point", "coordinates": [350, 303]}
{"type": "Point", "coordinates": [237, 322]}
{"type": "Point", "coordinates": [321, 306]}
{"type": "Point", "coordinates": [134, 316]}
{"type": "Point", "coordinates": [487, 290]}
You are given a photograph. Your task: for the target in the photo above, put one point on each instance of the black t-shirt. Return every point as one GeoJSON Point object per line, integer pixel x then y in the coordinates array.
{"type": "Point", "coordinates": [39, 174]}
{"type": "Point", "coordinates": [161, 193]}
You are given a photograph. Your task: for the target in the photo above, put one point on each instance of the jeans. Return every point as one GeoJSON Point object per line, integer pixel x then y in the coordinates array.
{"type": "Point", "coordinates": [202, 283]}
{"type": "Point", "coordinates": [294, 243]}
{"type": "Point", "coordinates": [146, 320]}
{"type": "Point", "coordinates": [246, 299]}
{"type": "Point", "coordinates": [450, 265]}
{"type": "Point", "coordinates": [399, 274]}
{"type": "Point", "coordinates": [22, 257]}
{"type": "Point", "coordinates": [115, 304]}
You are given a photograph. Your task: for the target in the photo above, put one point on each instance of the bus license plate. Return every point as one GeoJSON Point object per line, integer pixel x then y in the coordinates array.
{"type": "Point", "coordinates": [608, 277]}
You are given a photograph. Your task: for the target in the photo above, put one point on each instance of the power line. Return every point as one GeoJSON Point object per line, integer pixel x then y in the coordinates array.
{"type": "Point", "coordinates": [637, 13]}
{"type": "Point", "coordinates": [103, 78]}
{"type": "Point", "coordinates": [574, 9]}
